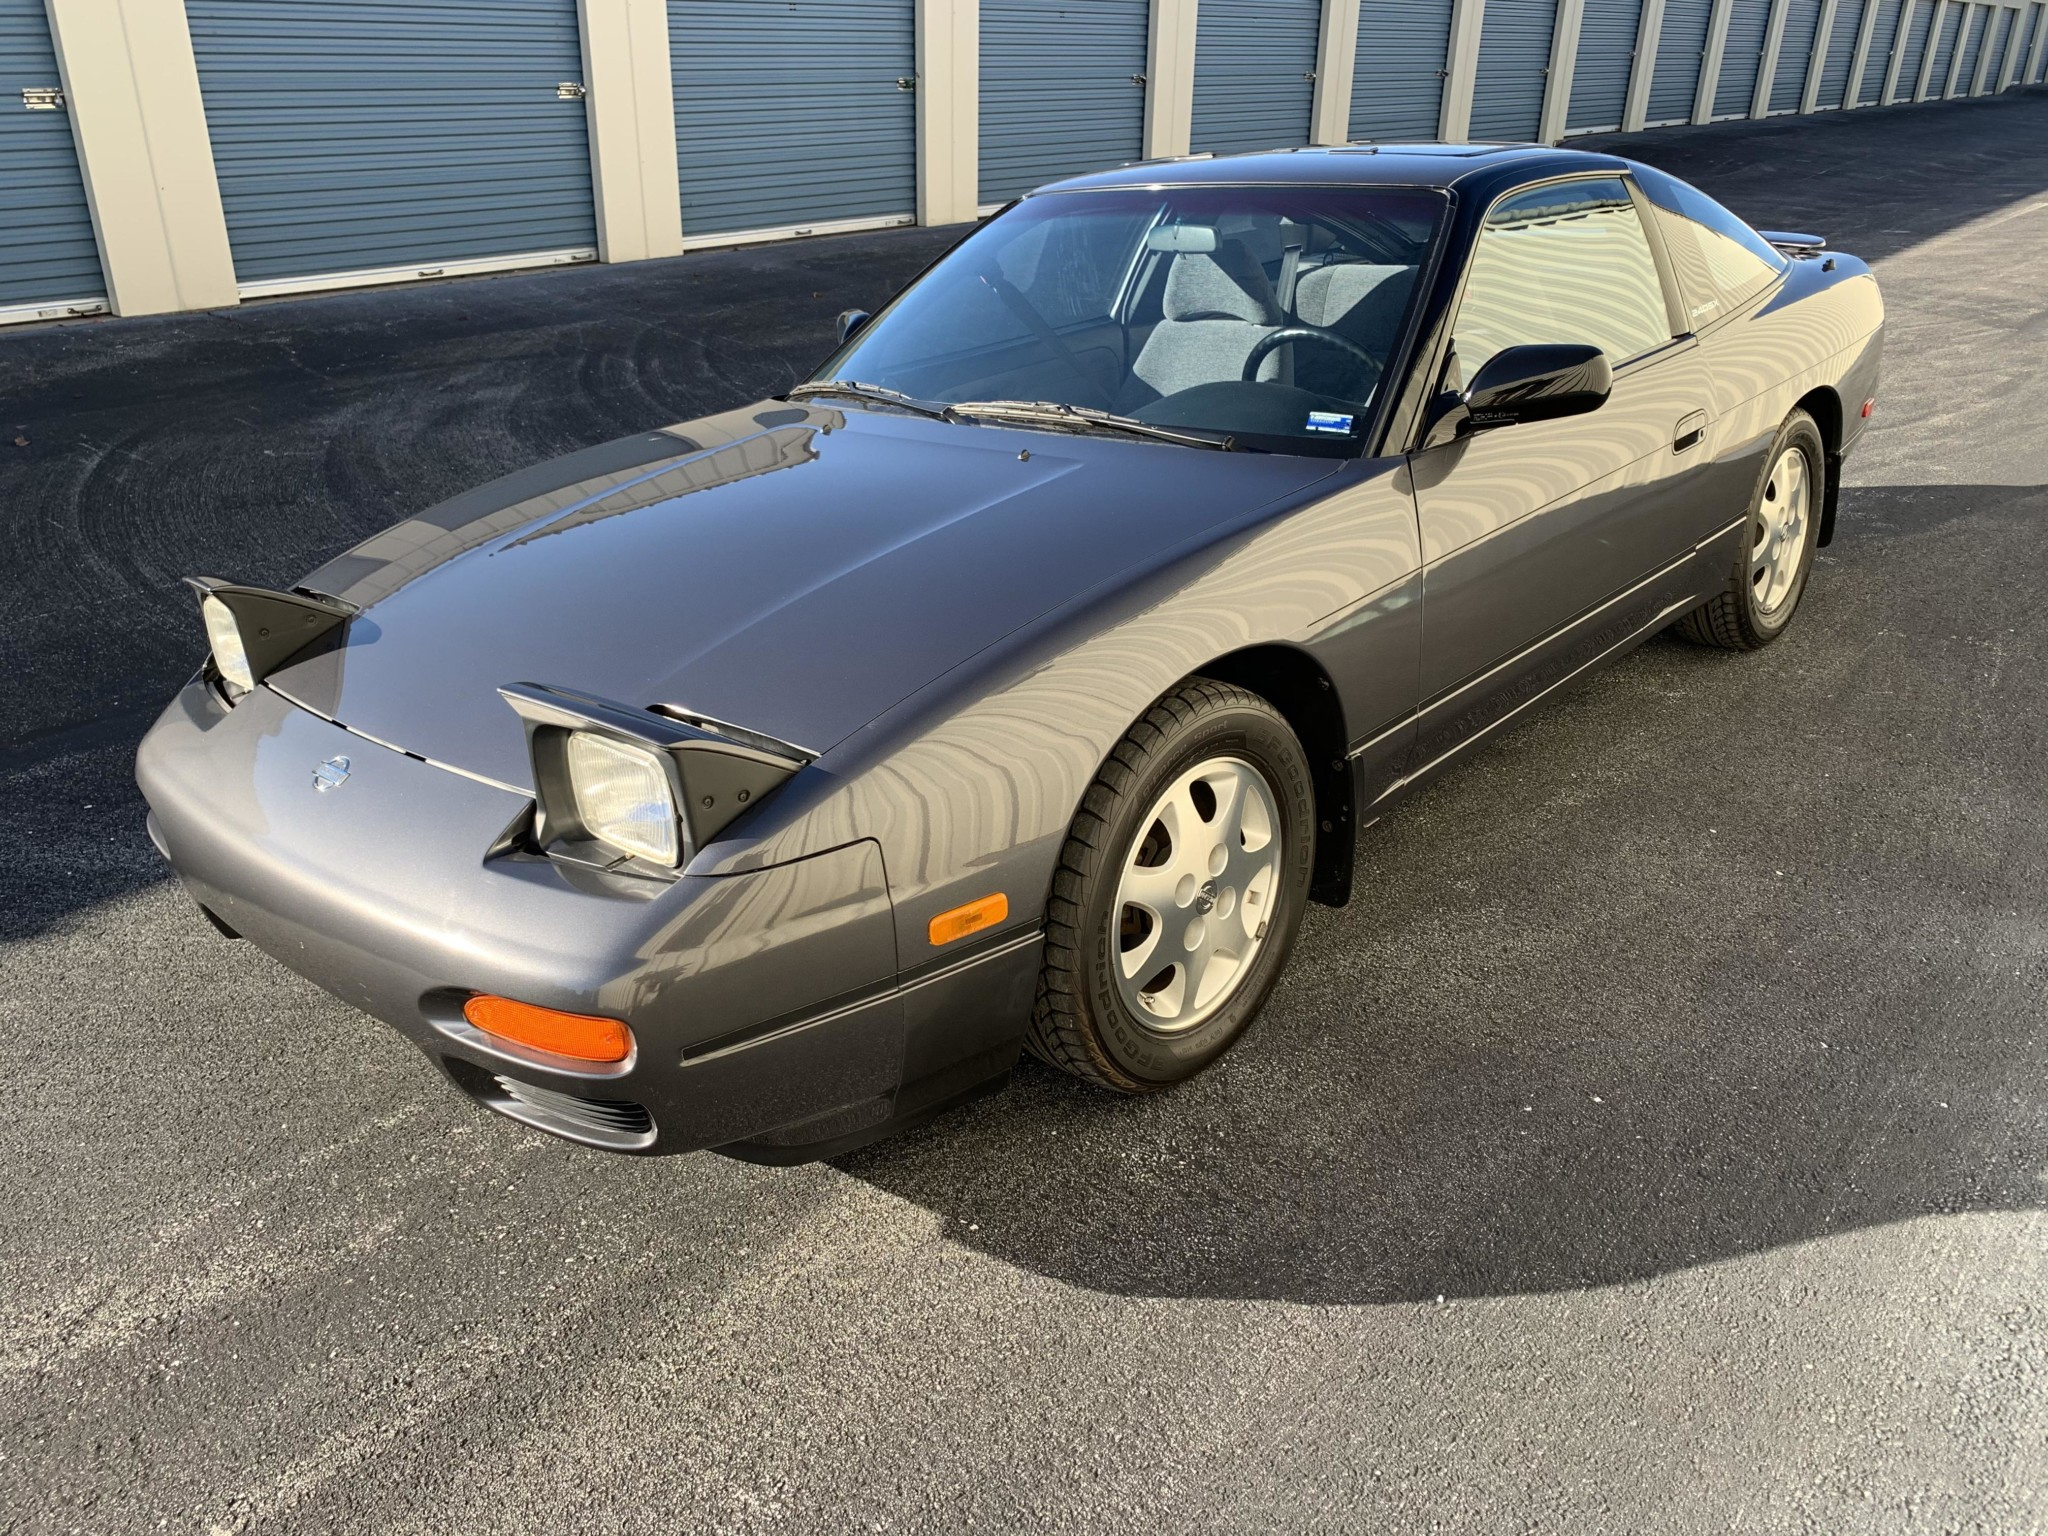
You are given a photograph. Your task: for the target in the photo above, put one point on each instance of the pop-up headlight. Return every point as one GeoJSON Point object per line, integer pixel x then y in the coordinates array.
{"type": "Point", "coordinates": [253, 632]}
{"type": "Point", "coordinates": [614, 784]}
{"type": "Point", "coordinates": [622, 796]}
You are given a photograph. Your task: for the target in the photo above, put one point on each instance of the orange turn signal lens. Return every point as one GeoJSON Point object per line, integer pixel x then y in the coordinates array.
{"type": "Point", "coordinates": [576, 1035]}
{"type": "Point", "coordinates": [972, 918]}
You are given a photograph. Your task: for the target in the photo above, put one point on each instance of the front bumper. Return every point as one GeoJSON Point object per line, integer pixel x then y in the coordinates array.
{"type": "Point", "coordinates": [766, 1008]}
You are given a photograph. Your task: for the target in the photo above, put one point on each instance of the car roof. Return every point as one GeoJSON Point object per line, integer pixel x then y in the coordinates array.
{"type": "Point", "coordinates": [1445, 166]}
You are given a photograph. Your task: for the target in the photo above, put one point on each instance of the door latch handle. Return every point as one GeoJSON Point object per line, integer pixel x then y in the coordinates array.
{"type": "Point", "coordinates": [1689, 431]}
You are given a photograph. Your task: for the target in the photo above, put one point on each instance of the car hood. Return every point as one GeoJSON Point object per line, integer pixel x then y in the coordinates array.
{"type": "Point", "coordinates": [792, 569]}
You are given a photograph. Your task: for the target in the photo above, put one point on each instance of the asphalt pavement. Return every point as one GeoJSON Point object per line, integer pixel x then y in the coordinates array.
{"type": "Point", "coordinates": [1657, 1143]}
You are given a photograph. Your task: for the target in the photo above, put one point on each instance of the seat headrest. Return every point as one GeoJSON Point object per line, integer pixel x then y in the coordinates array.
{"type": "Point", "coordinates": [1326, 295]}
{"type": "Point", "coordinates": [1227, 283]}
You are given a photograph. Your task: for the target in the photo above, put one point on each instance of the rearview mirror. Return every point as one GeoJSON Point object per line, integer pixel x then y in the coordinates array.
{"type": "Point", "coordinates": [1518, 384]}
{"type": "Point", "coordinates": [850, 322]}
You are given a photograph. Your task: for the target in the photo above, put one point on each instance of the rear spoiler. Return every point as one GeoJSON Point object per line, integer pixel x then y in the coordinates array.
{"type": "Point", "coordinates": [1795, 244]}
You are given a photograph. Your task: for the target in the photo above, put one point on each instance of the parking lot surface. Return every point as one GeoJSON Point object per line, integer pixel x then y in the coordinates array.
{"type": "Point", "coordinates": [1657, 1143]}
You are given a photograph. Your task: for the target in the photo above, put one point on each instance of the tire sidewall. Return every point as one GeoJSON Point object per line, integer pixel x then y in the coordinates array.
{"type": "Point", "coordinates": [1147, 1057]}
{"type": "Point", "coordinates": [1799, 431]}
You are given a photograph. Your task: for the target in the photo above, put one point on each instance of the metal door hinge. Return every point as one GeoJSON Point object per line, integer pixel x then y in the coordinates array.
{"type": "Point", "coordinates": [570, 90]}
{"type": "Point", "coordinates": [42, 98]}
{"type": "Point", "coordinates": [906, 82]}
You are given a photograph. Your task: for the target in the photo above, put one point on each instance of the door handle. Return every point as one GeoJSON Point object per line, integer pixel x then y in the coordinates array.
{"type": "Point", "coordinates": [1689, 431]}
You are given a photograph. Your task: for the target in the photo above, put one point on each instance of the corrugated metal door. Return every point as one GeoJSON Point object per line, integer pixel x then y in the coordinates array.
{"type": "Point", "coordinates": [1397, 85]}
{"type": "Point", "coordinates": [1834, 73]}
{"type": "Point", "coordinates": [1998, 32]}
{"type": "Point", "coordinates": [1061, 89]}
{"type": "Point", "coordinates": [1749, 22]}
{"type": "Point", "coordinates": [1607, 51]}
{"type": "Point", "coordinates": [48, 257]}
{"type": "Point", "coordinates": [1255, 64]}
{"type": "Point", "coordinates": [1676, 79]}
{"type": "Point", "coordinates": [1795, 54]}
{"type": "Point", "coordinates": [789, 112]}
{"type": "Point", "coordinates": [352, 135]}
{"type": "Point", "coordinates": [1945, 50]}
{"type": "Point", "coordinates": [2021, 33]}
{"type": "Point", "coordinates": [2035, 70]}
{"type": "Point", "coordinates": [1973, 48]}
{"type": "Point", "coordinates": [1514, 63]}
{"type": "Point", "coordinates": [1918, 29]}
{"type": "Point", "coordinates": [1884, 37]}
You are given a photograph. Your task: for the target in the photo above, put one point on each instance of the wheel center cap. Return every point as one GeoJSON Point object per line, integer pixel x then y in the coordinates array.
{"type": "Point", "coordinates": [1205, 898]}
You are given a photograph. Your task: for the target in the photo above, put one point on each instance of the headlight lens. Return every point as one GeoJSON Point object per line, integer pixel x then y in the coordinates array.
{"type": "Point", "coordinates": [225, 637]}
{"type": "Point", "coordinates": [622, 797]}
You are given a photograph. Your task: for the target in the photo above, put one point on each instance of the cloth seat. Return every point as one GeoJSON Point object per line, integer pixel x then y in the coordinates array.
{"type": "Point", "coordinates": [1217, 307]}
{"type": "Point", "coordinates": [1360, 301]}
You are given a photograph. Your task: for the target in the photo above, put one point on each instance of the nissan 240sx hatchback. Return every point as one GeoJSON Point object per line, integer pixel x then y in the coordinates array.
{"type": "Point", "coordinates": [770, 781]}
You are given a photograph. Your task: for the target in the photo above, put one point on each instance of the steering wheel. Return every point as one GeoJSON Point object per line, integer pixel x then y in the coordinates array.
{"type": "Point", "coordinates": [1291, 333]}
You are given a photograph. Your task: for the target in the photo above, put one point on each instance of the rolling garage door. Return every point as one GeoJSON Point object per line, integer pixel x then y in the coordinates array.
{"type": "Point", "coordinates": [1397, 84]}
{"type": "Point", "coordinates": [2015, 62]}
{"type": "Point", "coordinates": [1061, 89]}
{"type": "Point", "coordinates": [1998, 33]}
{"type": "Point", "coordinates": [51, 262]}
{"type": "Point", "coordinates": [1676, 79]}
{"type": "Point", "coordinates": [357, 135]}
{"type": "Point", "coordinates": [1607, 50]}
{"type": "Point", "coordinates": [1974, 27]}
{"type": "Point", "coordinates": [1913, 51]}
{"type": "Point", "coordinates": [1255, 64]}
{"type": "Point", "coordinates": [1884, 37]}
{"type": "Point", "coordinates": [1943, 51]}
{"type": "Point", "coordinates": [1742, 56]}
{"type": "Point", "coordinates": [1514, 63]}
{"type": "Point", "coordinates": [2034, 66]}
{"type": "Point", "coordinates": [1841, 53]}
{"type": "Point", "coordinates": [1795, 54]}
{"type": "Point", "coordinates": [794, 113]}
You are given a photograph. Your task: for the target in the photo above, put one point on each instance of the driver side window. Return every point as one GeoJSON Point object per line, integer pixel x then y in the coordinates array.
{"type": "Point", "coordinates": [1567, 264]}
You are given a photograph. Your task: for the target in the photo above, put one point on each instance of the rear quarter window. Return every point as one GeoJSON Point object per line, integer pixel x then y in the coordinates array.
{"type": "Point", "coordinates": [1722, 262]}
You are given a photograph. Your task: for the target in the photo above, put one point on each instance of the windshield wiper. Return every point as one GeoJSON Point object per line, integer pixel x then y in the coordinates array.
{"type": "Point", "coordinates": [1056, 413]}
{"type": "Point", "coordinates": [855, 390]}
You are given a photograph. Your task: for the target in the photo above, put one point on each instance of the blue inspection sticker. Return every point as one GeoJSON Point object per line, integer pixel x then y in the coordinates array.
{"type": "Point", "coordinates": [1328, 421]}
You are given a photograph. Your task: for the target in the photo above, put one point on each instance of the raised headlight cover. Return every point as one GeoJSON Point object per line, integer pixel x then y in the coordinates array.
{"type": "Point", "coordinates": [225, 637]}
{"type": "Point", "coordinates": [254, 631]}
{"type": "Point", "coordinates": [622, 797]}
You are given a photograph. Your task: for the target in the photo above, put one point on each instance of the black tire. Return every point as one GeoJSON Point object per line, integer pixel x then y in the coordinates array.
{"type": "Point", "coordinates": [1080, 1023]}
{"type": "Point", "coordinates": [1734, 619]}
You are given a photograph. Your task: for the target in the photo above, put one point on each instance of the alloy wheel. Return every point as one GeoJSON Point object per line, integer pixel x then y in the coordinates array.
{"type": "Point", "coordinates": [1778, 541]}
{"type": "Point", "coordinates": [1195, 899]}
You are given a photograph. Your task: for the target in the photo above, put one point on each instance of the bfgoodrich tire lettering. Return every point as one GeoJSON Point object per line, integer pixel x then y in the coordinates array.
{"type": "Point", "coordinates": [1084, 1021]}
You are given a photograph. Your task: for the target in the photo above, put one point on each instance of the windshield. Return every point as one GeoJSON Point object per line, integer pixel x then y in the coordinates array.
{"type": "Point", "coordinates": [1262, 314]}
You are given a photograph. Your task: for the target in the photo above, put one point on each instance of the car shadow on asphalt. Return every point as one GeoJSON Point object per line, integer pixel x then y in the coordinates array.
{"type": "Point", "coordinates": [1718, 954]}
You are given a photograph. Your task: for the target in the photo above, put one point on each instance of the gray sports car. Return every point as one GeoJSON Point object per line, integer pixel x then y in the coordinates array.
{"type": "Point", "coordinates": [768, 782]}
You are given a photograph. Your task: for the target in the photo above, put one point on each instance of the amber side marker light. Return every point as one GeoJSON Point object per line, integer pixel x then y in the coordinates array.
{"type": "Point", "coordinates": [576, 1035]}
{"type": "Point", "coordinates": [972, 918]}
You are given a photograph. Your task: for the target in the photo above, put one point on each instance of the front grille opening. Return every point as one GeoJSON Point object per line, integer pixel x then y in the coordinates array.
{"type": "Point", "coordinates": [619, 1124]}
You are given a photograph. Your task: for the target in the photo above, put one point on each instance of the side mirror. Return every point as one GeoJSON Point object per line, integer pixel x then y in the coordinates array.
{"type": "Point", "coordinates": [1518, 384]}
{"type": "Point", "coordinates": [850, 322]}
